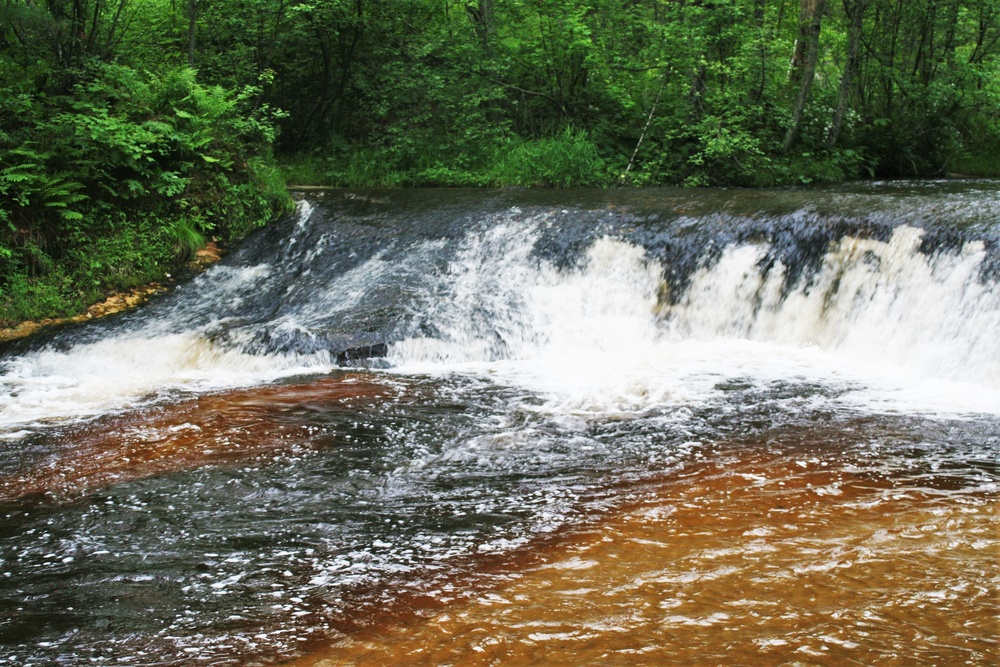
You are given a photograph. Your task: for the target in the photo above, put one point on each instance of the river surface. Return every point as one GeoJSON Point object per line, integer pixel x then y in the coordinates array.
{"type": "Point", "coordinates": [429, 427]}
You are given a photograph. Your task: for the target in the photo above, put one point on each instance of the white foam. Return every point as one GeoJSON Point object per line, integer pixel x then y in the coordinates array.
{"type": "Point", "coordinates": [883, 326]}
{"type": "Point", "coordinates": [873, 302]}
{"type": "Point", "coordinates": [122, 371]}
{"type": "Point", "coordinates": [886, 327]}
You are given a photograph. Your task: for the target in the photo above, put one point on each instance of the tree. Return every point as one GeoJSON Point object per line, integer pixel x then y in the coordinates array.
{"type": "Point", "coordinates": [804, 61]}
{"type": "Point", "coordinates": [110, 173]}
{"type": "Point", "coordinates": [855, 10]}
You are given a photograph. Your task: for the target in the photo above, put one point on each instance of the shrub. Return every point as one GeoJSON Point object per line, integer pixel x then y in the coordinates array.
{"type": "Point", "coordinates": [128, 170]}
{"type": "Point", "coordinates": [566, 160]}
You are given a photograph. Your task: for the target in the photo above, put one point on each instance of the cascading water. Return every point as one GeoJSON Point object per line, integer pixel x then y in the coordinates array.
{"type": "Point", "coordinates": [390, 393]}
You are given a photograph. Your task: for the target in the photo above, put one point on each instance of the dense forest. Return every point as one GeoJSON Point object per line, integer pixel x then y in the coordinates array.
{"type": "Point", "coordinates": [132, 130]}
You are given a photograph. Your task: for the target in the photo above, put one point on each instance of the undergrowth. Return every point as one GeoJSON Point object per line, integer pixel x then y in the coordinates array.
{"type": "Point", "coordinates": [122, 178]}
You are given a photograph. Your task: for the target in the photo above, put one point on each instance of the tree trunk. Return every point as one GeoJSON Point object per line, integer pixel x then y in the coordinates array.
{"type": "Point", "coordinates": [855, 11]}
{"type": "Point", "coordinates": [699, 83]}
{"type": "Point", "coordinates": [758, 18]}
{"type": "Point", "coordinates": [809, 12]}
{"type": "Point", "coordinates": [949, 42]}
{"type": "Point", "coordinates": [192, 30]}
{"type": "Point", "coordinates": [811, 19]}
{"type": "Point", "coordinates": [482, 21]}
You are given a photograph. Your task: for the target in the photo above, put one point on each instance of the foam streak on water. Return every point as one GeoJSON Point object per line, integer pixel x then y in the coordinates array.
{"type": "Point", "coordinates": [125, 372]}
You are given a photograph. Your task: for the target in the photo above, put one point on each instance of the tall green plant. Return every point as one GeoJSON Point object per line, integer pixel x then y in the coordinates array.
{"type": "Point", "coordinates": [567, 160]}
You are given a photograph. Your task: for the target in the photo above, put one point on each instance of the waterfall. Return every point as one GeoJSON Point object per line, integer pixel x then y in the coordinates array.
{"type": "Point", "coordinates": [916, 327]}
{"type": "Point", "coordinates": [613, 305]}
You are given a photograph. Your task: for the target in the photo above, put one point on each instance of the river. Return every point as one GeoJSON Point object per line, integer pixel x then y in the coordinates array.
{"type": "Point", "coordinates": [614, 427]}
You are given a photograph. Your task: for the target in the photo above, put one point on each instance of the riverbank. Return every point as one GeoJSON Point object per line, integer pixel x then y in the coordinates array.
{"type": "Point", "coordinates": [117, 302]}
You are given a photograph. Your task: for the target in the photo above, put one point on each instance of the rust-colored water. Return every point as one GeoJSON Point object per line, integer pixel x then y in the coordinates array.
{"type": "Point", "coordinates": [766, 560]}
{"type": "Point", "coordinates": [207, 430]}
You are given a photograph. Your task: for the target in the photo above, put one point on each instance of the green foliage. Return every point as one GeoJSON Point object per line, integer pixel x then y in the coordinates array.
{"type": "Point", "coordinates": [153, 122]}
{"type": "Point", "coordinates": [567, 160]}
{"type": "Point", "coordinates": [186, 238]}
{"type": "Point", "coordinates": [981, 157]}
{"type": "Point", "coordinates": [696, 93]}
{"type": "Point", "coordinates": [30, 189]}
{"type": "Point", "coordinates": [127, 174]}
{"type": "Point", "coordinates": [26, 299]}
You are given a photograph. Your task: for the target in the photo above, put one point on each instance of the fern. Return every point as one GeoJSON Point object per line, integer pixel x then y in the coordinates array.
{"type": "Point", "coordinates": [112, 184]}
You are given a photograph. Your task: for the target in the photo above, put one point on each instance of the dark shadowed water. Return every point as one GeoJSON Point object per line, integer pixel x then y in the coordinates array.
{"type": "Point", "coordinates": [468, 427]}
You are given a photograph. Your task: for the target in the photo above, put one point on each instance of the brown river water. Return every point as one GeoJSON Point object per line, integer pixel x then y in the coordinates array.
{"type": "Point", "coordinates": [526, 428]}
{"type": "Point", "coordinates": [763, 560]}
